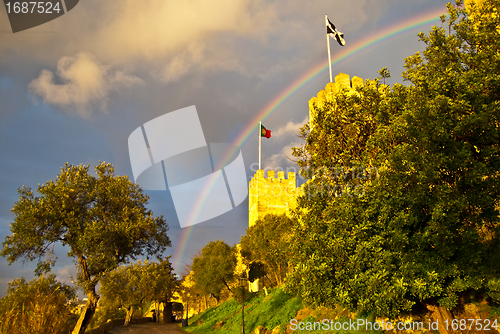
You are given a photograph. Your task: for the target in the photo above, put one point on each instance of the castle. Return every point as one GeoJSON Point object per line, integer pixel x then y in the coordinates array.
{"type": "Point", "coordinates": [277, 195]}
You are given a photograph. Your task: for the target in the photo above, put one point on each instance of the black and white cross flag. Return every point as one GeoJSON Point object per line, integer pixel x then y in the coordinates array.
{"type": "Point", "coordinates": [334, 33]}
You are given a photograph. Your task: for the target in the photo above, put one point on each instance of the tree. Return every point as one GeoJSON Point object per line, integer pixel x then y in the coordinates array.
{"type": "Point", "coordinates": [186, 293]}
{"type": "Point", "coordinates": [265, 247]}
{"type": "Point", "coordinates": [190, 293]}
{"type": "Point", "coordinates": [131, 286]}
{"type": "Point", "coordinates": [161, 284]}
{"type": "Point", "coordinates": [214, 268]}
{"type": "Point", "coordinates": [102, 219]}
{"type": "Point", "coordinates": [335, 251]}
{"type": "Point", "coordinates": [424, 230]}
{"type": "Point", "coordinates": [126, 286]}
{"type": "Point", "coordinates": [384, 74]}
{"type": "Point", "coordinates": [42, 305]}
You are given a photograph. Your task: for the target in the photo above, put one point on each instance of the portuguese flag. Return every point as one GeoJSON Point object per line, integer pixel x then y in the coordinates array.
{"type": "Point", "coordinates": [265, 132]}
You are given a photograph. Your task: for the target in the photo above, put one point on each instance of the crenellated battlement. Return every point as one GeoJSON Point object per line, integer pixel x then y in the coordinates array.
{"type": "Point", "coordinates": [272, 195]}
{"type": "Point", "coordinates": [342, 81]}
{"type": "Point", "coordinates": [272, 176]}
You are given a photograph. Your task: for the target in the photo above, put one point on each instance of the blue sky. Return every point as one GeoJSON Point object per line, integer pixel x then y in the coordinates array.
{"type": "Point", "coordinates": [73, 89]}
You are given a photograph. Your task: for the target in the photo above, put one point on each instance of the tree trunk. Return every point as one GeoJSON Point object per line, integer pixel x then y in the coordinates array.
{"type": "Point", "coordinates": [270, 282]}
{"type": "Point", "coordinates": [227, 285]}
{"type": "Point", "coordinates": [87, 313]}
{"type": "Point", "coordinates": [440, 314]}
{"type": "Point", "coordinates": [277, 276]}
{"type": "Point", "coordinates": [187, 310]}
{"type": "Point", "coordinates": [167, 312]}
{"type": "Point", "coordinates": [92, 299]}
{"type": "Point", "coordinates": [128, 316]}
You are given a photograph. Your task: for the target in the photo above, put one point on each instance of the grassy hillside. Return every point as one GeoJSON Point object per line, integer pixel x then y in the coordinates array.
{"type": "Point", "coordinates": [276, 309]}
{"type": "Point", "coordinates": [269, 311]}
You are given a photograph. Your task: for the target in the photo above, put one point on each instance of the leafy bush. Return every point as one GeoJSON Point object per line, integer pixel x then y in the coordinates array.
{"type": "Point", "coordinates": [39, 306]}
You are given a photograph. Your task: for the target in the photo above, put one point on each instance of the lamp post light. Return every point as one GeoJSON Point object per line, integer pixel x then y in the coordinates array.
{"type": "Point", "coordinates": [243, 281]}
{"type": "Point", "coordinates": [187, 309]}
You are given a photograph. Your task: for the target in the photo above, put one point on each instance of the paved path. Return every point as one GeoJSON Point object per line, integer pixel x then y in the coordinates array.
{"type": "Point", "coordinates": [148, 328]}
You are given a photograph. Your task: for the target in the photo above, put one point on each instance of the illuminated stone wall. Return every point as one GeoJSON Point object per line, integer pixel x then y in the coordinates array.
{"type": "Point", "coordinates": [342, 81]}
{"type": "Point", "coordinates": [271, 195]}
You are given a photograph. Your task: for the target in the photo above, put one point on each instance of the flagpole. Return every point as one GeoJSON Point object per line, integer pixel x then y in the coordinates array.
{"type": "Point", "coordinates": [328, 44]}
{"type": "Point", "coordinates": [260, 138]}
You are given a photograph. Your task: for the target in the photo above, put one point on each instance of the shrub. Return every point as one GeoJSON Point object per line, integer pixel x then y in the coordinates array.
{"type": "Point", "coordinates": [39, 306]}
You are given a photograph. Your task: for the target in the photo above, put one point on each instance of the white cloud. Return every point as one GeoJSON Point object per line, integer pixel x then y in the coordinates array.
{"type": "Point", "coordinates": [84, 81]}
{"type": "Point", "coordinates": [288, 135]}
{"type": "Point", "coordinates": [172, 38]}
{"type": "Point", "coordinates": [121, 79]}
{"type": "Point", "coordinates": [181, 63]}
{"type": "Point", "coordinates": [150, 28]}
{"type": "Point", "coordinates": [64, 275]}
{"type": "Point", "coordinates": [284, 158]}
{"type": "Point", "coordinates": [291, 128]}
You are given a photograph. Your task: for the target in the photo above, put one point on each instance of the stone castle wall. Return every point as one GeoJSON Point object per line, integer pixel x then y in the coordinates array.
{"type": "Point", "coordinates": [342, 81]}
{"type": "Point", "coordinates": [272, 195]}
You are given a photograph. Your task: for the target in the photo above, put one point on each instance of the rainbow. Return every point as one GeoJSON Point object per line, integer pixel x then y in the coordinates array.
{"type": "Point", "coordinates": [402, 27]}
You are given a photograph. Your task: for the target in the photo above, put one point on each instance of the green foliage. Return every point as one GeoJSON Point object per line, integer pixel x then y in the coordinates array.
{"type": "Point", "coordinates": [277, 309]}
{"type": "Point", "coordinates": [493, 287]}
{"type": "Point", "coordinates": [425, 226]}
{"type": "Point", "coordinates": [190, 294]}
{"type": "Point", "coordinates": [39, 306]}
{"type": "Point", "coordinates": [161, 281]}
{"type": "Point", "coordinates": [130, 286]}
{"type": "Point", "coordinates": [384, 74]}
{"type": "Point", "coordinates": [103, 219]}
{"type": "Point", "coordinates": [124, 287]}
{"type": "Point", "coordinates": [214, 269]}
{"type": "Point", "coordinates": [212, 315]}
{"type": "Point", "coordinates": [494, 312]}
{"type": "Point", "coordinates": [108, 309]}
{"type": "Point", "coordinates": [267, 243]}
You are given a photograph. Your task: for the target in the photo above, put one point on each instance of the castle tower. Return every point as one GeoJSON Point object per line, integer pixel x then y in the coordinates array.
{"type": "Point", "coordinates": [271, 195]}
{"type": "Point", "coordinates": [342, 81]}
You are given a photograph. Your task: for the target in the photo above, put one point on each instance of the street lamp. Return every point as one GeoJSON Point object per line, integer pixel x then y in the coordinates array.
{"type": "Point", "coordinates": [243, 282]}
{"type": "Point", "coordinates": [187, 308]}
